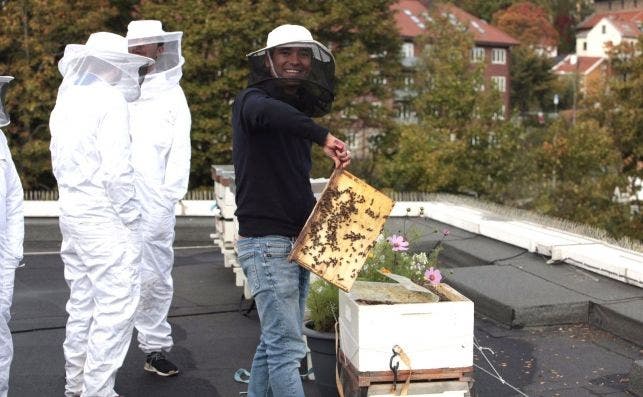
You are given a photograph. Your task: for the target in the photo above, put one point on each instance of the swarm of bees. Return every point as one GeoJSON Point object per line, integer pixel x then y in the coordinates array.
{"type": "Point", "coordinates": [342, 229]}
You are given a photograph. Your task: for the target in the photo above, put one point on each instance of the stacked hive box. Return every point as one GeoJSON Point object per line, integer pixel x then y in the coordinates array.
{"type": "Point", "coordinates": [226, 224]}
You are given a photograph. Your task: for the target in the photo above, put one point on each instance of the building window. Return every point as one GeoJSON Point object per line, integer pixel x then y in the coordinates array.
{"type": "Point", "coordinates": [603, 29]}
{"type": "Point", "coordinates": [500, 82]}
{"type": "Point", "coordinates": [499, 56]}
{"type": "Point", "coordinates": [500, 115]}
{"type": "Point", "coordinates": [477, 54]}
{"type": "Point", "coordinates": [407, 50]}
{"type": "Point", "coordinates": [584, 46]}
{"type": "Point", "coordinates": [405, 112]}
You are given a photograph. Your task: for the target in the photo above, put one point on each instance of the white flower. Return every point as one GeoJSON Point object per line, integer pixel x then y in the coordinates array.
{"type": "Point", "coordinates": [421, 258]}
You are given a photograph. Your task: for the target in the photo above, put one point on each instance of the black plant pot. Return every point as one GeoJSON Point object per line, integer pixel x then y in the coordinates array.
{"type": "Point", "coordinates": [322, 351]}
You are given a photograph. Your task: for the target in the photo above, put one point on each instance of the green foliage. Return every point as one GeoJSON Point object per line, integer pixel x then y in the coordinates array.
{"type": "Point", "coordinates": [532, 83]}
{"type": "Point", "coordinates": [483, 8]}
{"type": "Point", "coordinates": [618, 112]}
{"type": "Point", "coordinates": [456, 145]}
{"type": "Point", "coordinates": [528, 23]}
{"type": "Point", "coordinates": [618, 108]}
{"type": "Point", "coordinates": [531, 77]}
{"type": "Point", "coordinates": [34, 34]}
{"type": "Point", "coordinates": [409, 265]}
{"type": "Point", "coordinates": [579, 170]}
{"type": "Point", "coordinates": [323, 304]}
{"type": "Point", "coordinates": [219, 34]}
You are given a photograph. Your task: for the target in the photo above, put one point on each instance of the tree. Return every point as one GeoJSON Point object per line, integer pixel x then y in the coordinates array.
{"type": "Point", "coordinates": [619, 110]}
{"type": "Point", "coordinates": [531, 80]}
{"type": "Point", "coordinates": [34, 36]}
{"type": "Point", "coordinates": [578, 173]}
{"type": "Point", "coordinates": [529, 23]}
{"type": "Point", "coordinates": [483, 8]}
{"type": "Point", "coordinates": [531, 75]}
{"type": "Point", "coordinates": [219, 34]}
{"type": "Point", "coordinates": [460, 144]}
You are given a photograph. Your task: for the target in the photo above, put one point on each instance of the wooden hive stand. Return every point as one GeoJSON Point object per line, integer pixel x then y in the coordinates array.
{"type": "Point", "coordinates": [357, 384]}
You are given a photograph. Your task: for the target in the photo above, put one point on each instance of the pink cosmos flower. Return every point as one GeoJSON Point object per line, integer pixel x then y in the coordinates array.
{"type": "Point", "coordinates": [398, 243]}
{"type": "Point", "coordinates": [446, 232]}
{"type": "Point", "coordinates": [433, 276]}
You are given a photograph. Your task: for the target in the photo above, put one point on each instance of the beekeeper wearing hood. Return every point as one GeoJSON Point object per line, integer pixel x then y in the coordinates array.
{"type": "Point", "coordinates": [99, 213]}
{"type": "Point", "coordinates": [160, 127]}
{"type": "Point", "coordinates": [291, 80]}
{"type": "Point", "coordinates": [11, 236]}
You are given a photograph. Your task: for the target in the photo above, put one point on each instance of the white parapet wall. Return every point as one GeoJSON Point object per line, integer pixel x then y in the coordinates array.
{"type": "Point", "coordinates": [46, 209]}
{"type": "Point", "coordinates": [591, 254]}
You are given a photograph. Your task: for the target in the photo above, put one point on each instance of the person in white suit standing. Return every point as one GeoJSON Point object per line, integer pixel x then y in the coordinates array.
{"type": "Point", "coordinates": [99, 212]}
{"type": "Point", "coordinates": [12, 232]}
{"type": "Point", "coordinates": [160, 126]}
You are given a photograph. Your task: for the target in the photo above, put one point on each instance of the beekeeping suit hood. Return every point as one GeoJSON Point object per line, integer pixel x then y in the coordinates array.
{"type": "Point", "coordinates": [168, 67]}
{"type": "Point", "coordinates": [104, 57]}
{"type": "Point", "coordinates": [314, 94]}
{"type": "Point", "coordinates": [4, 116]}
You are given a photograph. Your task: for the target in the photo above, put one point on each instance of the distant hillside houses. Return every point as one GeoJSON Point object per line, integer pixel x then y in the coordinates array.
{"type": "Point", "coordinates": [492, 47]}
{"type": "Point", "coordinates": [614, 23]}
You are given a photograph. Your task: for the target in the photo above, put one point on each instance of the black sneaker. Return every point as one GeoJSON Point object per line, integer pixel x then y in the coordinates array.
{"type": "Point", "coordinates": [157, 363]}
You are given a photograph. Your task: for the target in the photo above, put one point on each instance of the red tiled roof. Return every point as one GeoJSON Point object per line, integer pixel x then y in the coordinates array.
{"type": "Point", "coordinates": [405, 10]}
{"type": "Point", "coordinates": [410, 17]}
{"type": "Point", "coordinates": [583, 65]}
{"type": "Point", "coordinates": [627, 28]}
{"type": "Point", "coordinates": [635, 16]}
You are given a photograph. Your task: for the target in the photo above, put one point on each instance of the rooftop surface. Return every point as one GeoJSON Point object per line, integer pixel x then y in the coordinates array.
{"type": "Point", "coordinates": [540, 321]}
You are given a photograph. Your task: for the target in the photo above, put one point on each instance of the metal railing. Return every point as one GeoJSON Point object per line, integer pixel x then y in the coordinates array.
{"type": "Point", "coordinates": [52, 195]}
{"type": "Point", "coordinates": [40, 195]}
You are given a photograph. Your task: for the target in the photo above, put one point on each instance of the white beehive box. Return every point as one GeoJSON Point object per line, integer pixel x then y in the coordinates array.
{"type": "Point", "coordinates": [227, 203]}
{"type": "Point", "coordinates": [435, 335]}
{"type": "Point", "coordinates": [226, 231]}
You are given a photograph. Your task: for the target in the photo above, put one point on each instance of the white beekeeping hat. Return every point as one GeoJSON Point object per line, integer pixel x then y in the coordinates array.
{"type": "Point", "coordinates": [104, 56]}
{"type": "Point", "coordinates": [312, 93]}
{"type": "Point", "coordinates": [148, 31]}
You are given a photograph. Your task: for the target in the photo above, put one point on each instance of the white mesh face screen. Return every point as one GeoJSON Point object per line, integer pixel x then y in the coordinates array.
{"type": "Point", "coordinates": [164, 49]}
{"type": "Point", "coordinates": [82, 66]}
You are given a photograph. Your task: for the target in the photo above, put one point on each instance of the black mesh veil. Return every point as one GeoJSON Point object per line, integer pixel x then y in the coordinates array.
{"type": "Point", "coordinates": [4, 116]}
{"type": "Point", "coordinates": [312, 94]}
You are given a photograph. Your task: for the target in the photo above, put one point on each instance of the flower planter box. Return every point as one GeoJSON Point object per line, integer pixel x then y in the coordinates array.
{"type": "Point", "coordinates": [436, 335]}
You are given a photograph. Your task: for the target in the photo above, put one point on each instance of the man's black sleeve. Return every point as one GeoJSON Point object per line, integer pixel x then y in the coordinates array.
{"type": "Point", "coordinates": [264, 114]}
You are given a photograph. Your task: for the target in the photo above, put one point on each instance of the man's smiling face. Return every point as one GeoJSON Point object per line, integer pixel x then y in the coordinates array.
{"type": "Point", "coordinates": [292, 62]}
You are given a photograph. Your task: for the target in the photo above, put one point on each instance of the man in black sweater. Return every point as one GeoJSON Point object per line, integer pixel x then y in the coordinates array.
{"type": "Point", "coordinates": [291, 80]}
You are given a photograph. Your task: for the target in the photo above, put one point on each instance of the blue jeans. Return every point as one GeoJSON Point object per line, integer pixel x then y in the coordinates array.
{"type": "Point", "coordinates": [279, 288]}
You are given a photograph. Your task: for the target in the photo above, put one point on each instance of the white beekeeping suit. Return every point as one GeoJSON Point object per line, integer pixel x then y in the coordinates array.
{"type": "Point", "coordinates": [160, 127]}
{"type": "Point", "coordinates": [11, 236]}
{"type": "Point", "coordinates": [90, 153]}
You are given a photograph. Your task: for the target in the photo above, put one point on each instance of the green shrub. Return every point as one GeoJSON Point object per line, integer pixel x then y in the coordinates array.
{"type": "Point", "coordinates": [323, 303]}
